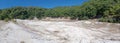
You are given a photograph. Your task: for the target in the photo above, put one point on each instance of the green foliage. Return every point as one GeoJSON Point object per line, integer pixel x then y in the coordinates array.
{"type": "Point", "coordinates": [113, 13]}
{"type": "Point", "coordinates": [104, 10]}
{"type": "Point", "coordinates": [22, 13]}
{"type": "Point", "coordinates": [6, 19]}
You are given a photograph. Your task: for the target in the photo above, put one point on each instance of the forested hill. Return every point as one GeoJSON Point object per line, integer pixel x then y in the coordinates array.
{"type": "Point", "coordinates": [103, 10]}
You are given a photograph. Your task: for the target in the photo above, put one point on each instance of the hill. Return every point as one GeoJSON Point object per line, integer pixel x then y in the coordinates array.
{"type": "Point", "coordinates": [104, 10]}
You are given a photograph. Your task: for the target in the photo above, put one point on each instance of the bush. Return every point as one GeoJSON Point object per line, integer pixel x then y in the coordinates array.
{"type": "Point", "coordinates": [6, 20]}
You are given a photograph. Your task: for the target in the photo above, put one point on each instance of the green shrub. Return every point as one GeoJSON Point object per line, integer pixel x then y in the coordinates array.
{"type": "Point", "coordinates": [6, 20]}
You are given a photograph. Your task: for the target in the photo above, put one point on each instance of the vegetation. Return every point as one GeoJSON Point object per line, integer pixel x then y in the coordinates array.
{"type": "Point", "coordinates": [104, 10]}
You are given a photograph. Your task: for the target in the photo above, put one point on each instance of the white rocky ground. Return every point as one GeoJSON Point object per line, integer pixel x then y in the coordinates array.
{"type": "Point", "coordinates": [32, 31]}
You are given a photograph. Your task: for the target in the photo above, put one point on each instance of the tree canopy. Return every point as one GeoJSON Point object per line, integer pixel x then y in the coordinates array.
{"type": "Point", "coordinates": [103, 10]}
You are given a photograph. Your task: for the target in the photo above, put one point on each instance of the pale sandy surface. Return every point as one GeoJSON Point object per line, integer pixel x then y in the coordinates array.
{"type": "Point", "coordinates": [37, 31]}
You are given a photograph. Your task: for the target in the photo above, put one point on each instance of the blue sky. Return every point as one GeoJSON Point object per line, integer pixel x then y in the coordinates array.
{"type": "Point", "coordinates": [39, 3]}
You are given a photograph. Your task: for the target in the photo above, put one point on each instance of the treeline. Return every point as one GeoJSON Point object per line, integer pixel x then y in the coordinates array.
{"type": "Point", "coordinates": [103, 10]}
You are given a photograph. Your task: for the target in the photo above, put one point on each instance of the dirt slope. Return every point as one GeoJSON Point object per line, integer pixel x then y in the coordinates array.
{"type": "Point", "coordinates": [36, 31]}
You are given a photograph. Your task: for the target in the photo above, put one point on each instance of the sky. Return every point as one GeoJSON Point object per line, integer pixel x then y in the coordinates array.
{"type": "Point", "coordinates": [39, 3]}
